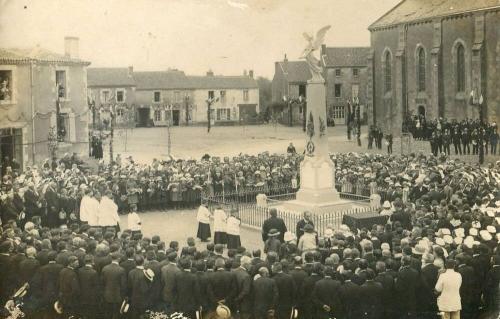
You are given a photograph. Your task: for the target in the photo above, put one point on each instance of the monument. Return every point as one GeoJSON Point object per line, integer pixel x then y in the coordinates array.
{"type": "Point", "coordinates": [317, 171]}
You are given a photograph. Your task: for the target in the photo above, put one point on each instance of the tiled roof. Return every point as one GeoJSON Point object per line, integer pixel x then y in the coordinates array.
{"type": "Point", "coordinates": [222, 82]}
{"type": "Point", "coordinates": [296, 71]}
{"type": "Point", "coordinates": [109, 77]}
{"type": "Point", "coordinates": [346, 57]}
{"type": "Point", "coordinates": [178, 80]}
{"type": "Point", "coordinates": [415, 10]}
{"type": "Point", "coordinates": [35, 54]}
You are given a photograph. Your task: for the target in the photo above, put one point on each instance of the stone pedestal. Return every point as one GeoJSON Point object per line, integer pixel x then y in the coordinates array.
{"type": "Point", "coordinates": [317, 171]}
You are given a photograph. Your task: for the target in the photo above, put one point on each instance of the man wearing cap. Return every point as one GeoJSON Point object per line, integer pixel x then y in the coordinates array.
{"type": "Point", "coordinates": [273, 222]}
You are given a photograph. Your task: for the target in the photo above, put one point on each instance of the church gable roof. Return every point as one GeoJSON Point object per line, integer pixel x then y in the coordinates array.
{"type": "Point", "coordinates": [416, 10]}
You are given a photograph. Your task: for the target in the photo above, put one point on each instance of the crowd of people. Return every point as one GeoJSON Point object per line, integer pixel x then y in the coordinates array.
{"type": "Point", "coordinates": [442, 235]}
{"type": "Point", "coordinates": [462, 136]}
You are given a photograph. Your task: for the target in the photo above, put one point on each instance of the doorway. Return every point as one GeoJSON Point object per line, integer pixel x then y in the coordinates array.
{"type": "Point", "coordinates": [175, 117]}
{"type": "Point", "coordinates": [421, 110]}
{"type": "Point", "coordinates": [10, 149]}
{"type": "Point", "coordinates": [143, 115]}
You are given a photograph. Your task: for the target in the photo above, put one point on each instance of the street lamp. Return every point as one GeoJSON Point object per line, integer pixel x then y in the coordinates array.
{"type": "Point", "coordinates": [476, 99]}
{"type": "Point", "coordinates": [210, 101]}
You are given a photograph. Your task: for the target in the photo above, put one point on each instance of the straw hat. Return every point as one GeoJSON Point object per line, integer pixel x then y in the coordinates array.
{"type": "Point", "coordinates": [124, 307]}
{"type": "Point", "coordinates": [149, 274]}
{"type": "Point", "coordinates": [223, 312]}
{"type": "Point", "coordinates": [58, 307]}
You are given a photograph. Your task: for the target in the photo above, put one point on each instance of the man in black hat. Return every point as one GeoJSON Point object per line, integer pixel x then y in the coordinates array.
{"type": "Point", "coordinates": [114, 284]}
{"type": "Point", "coordinates": [273, 222]}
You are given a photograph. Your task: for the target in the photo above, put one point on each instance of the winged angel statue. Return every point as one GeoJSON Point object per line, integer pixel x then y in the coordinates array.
{"type": "Point", "coordinates": [313, 45]}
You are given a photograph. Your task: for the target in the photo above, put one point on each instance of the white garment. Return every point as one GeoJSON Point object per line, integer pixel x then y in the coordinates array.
{"type": "Point", "coordinates": [203, 215]}
{"type": "Point", "coordinates": [448, 285]}
{"type": "Point", "coordinates": [134, 221]}
{"type": "Point", "coordinates": [233, 226]}
{"type": "Point", "coordinates": [92, 211]}
{"type": "Point", "coordinates": [108, 212]}
{"type": "Point", "coordinates": [220, 218]}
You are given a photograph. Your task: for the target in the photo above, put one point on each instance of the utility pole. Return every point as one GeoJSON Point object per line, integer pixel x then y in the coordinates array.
{"type": "Point", "coordinates": [111, 134]}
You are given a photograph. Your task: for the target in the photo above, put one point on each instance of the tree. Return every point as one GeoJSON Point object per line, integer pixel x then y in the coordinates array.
{"type": "Point", "coordinates": [265, 94]}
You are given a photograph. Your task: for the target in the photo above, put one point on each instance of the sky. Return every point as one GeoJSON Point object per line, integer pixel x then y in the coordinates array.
{"type": "Point", "coordinates": [226, 36]}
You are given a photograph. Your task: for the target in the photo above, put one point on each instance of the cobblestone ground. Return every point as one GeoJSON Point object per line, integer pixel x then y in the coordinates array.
{"type": "Point", "coordinates": [180, 224]}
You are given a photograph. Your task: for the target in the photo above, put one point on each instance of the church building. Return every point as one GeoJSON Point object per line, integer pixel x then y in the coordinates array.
{"type": "Point", "coordinates": [429, 56]}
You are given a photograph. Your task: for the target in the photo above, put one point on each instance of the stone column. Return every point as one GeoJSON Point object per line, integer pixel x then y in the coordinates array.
{"type": "Point", "coordinates": [317, 171]}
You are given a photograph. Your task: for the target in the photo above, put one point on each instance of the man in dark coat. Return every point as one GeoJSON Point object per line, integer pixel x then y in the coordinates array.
{"type": "Point", "coordinates": [167, 279]}
{"type": "Point", "coordinates": [155, 291]}
{"type": "Point", "coordinates": [186, 290]}
{"type": "Point", "coordinates": [69, 287]}
{"type": "Point", "coordinates": [49, 279]}
{"type": "Point", "coordinates": [469, 287]}
{"type": "Point", "coordinates": [243, 301]}
{"type": "Point", "coordinates": [274, 222]}
{"type": "Point", "coordinates": [129, 263]}
{"type": "Point", "coordinates": [387, 282]}
{"type": "Point", "coordinates": [114, 284]}
{"type": "Point", "coordinates": [138, 289]}
{"type": "Point", "coordinates": [406, 286]}
{"type": "Point", "coordinates": [306, 301]}
{"type": "Point", "coordinates": [302, 223]}
{"type": "Point", "coordinates": [371, 296]}
{"type": "Point", "coordinates": [6, 272]}
{"type": "Point", "coordinates": [326, 296]}
{"type": "Point", "coordinates": [426, 298]}
{"type": "Point", "coordinates": [52, 199]}
{"type": "Point", "coordinates": [287, 291]}
{"type": "Point", "coordinates": [90, 288]}
{"type": "Point", "coordinates": [265, 295]}
{"type": "Point", "coordinates": [350, 297]}
{"type": "Point", "coordinates": [221, 285]}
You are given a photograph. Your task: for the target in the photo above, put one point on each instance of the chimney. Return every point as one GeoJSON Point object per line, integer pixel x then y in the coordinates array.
{"type": "Point", "coordinates": [244, 72]}
{"type": "Point", "coordinates": [250, 73]}
{"type": "Point", "coordinates": [130, 71]}
{"type": "Point", "coordinates": [323, 50]}
{"type": "Point", "coordinates": [285, 59]}
{"type": "Point", "coordinates": [210, 73]}
{"type": "Point", "coordinates": [71, 47]}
